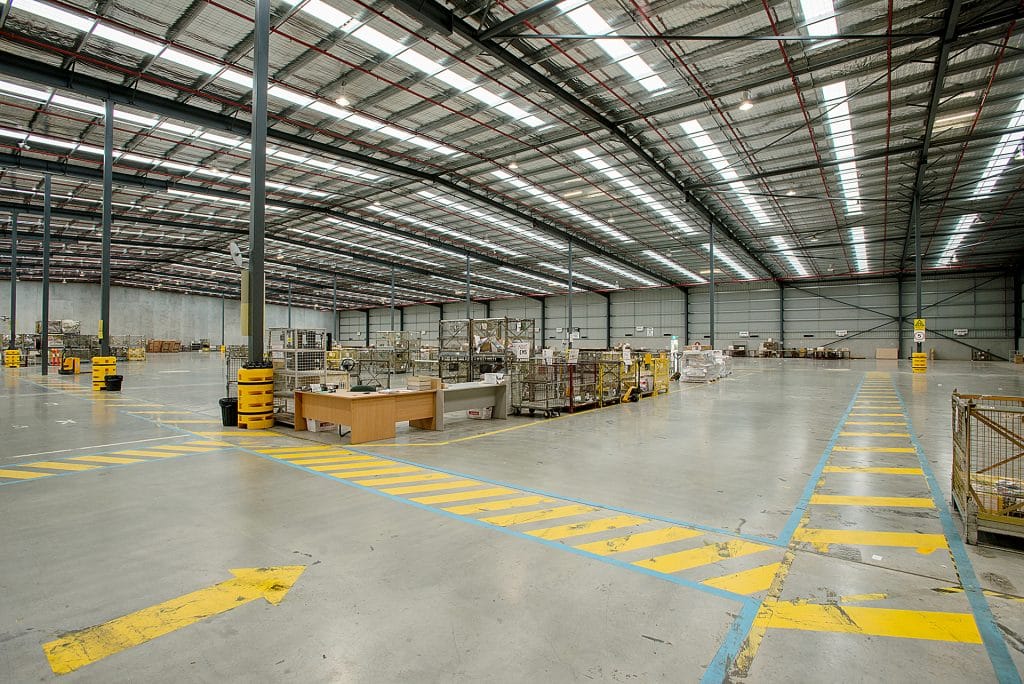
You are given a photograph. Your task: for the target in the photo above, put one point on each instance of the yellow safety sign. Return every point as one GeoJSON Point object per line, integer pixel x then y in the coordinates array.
{"type": "Point", "coordinates": [918, 324]}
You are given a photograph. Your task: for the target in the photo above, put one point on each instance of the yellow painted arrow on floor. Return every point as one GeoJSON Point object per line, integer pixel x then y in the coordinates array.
{"type": "Point", "coordinates": [86, 646]}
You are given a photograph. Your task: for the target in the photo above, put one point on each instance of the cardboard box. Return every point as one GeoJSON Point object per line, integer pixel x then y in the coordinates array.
{"type": "Point", "coordinates": [887, 353]}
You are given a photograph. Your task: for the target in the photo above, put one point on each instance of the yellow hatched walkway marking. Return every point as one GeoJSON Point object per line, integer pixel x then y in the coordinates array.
{"type": "Point", "coordinates": [703, 555]}
{"type": "Point", "coordinates": [307, 456]}
{"type": "Point", "coordinates": [112, 460]}
{"type": "Point", "coordinates": [874, 434]}
{"type": "Point", "coordinates": [431, 487]}
{"type": "Point", "coordinates": [364, 463]}
{"type": "Point", "coordinates": [822, 538]}
{"type": "Point", "coordinates": [327, 459]}
{"type": "Point", "coordinates": [211, 442]}
{"type": "Point", "coordinates": [145, 453]}
{"type": "Point", "coordinates": [537, 516]}
{"type": "Point", "coordinates": [588, 527]}
{"type": "Point", "coordinates": [640, 540]}
{"type": "Point", "coordinates": [873, 469]}
{"type": "Point", "coordinates": [882, 450]}
{"type": "Point", "coordinates": [877, 422]}
{"type": "Point", "coordinates": [423, 477]}
{"type": "Point", "coordinates": [60, 465]}
{"type": "Point", "coordinates": [887, 622]}
{"type": "Point", "coordinates": [184, 448]}
{"type": "Point", "coordinates": [294, 450]}
{"type": "Point", "coordinates": [878, 415]}
{"type": "Point", "coordinates": [22, 474]}
{"type": "Point", "coordinates": [499, 505]}
{"type": "Point", "coordinates": [888, 501]}
{"type": "Point", "coordinates": [746, 581]}
{"type": "Point", "coordinates": [463, 496]}
{"type": "Point", "coordinates": [240, 433]}
{"type": "Point", "coordinates": [380, 471]}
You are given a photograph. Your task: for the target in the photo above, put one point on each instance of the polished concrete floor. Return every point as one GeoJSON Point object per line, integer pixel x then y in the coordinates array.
{"type": "Point", "coordinates": [789, 523]}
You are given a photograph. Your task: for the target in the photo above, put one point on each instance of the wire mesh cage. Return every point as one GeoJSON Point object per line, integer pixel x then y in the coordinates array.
{"type": "Point", "coordinates": [235, 356]}
{"type": "Point", "coordinates": [988, 463]}
{"type": "Point", "coordinates": [468, 348]}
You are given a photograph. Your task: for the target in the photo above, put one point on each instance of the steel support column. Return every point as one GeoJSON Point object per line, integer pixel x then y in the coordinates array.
{"type": "Point", "coordinates": [468, 283]}
{"type": "Point", "coordinates": [916, 218]}
{"type": "Point", "coordinates": [899, 317]}
{"type": "Point", "coordinates": [289, 305]}
{"type": "Point", "coordinates": [223, 321]}
{"type": "Point", "coordinates": [367, 327]}
{"type": "Point", "coordinates": [607, 320]}
{"type": "Point", "coordinates": [568, 301]}
{"type": "Point", "coordinates": [108, 192]}
{"type": "Point", "coordinates": [44, 360]}
{"type": "Point", "coordinates": [711, 282]}
{"type": "Point", "coordinates": [782, 318]}
{"type": "Point", "coordinates": [392, 297]}
{"type": "Point", "coordinates": [258, 180]}
{"type": "Point", "coordinates": [1018, 304]}
{"type": "Point", "coordinates": [686, 317]}
{"type": "Point", "coordinates": [543, 322]}
{"type": "Point", "coordinates": [334, 308]}
{"type": "Point", "coordinates": [14, 277]}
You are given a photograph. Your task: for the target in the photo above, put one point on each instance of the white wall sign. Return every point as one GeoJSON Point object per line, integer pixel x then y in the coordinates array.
{"type": "Point", "coordinates": [960, 332]}
{"type": "Point", "coordinates": [744, 333]}
{"type": "Point", "coordinates": [650, 332]}
{"type": "Point", "coordinates": [575, 336]}
{"type": "Point", "coordinates": [842, 333]}
{"type": "Point", "coordinates": [919, 336]}
{"type": "Point", "coordinates": [639, 328]}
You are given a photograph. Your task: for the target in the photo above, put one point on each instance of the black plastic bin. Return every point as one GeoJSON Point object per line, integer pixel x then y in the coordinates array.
{"type": "Point", "coordinates": [112, 383]}
{"type": "Point", "coordinates": [229, 411]}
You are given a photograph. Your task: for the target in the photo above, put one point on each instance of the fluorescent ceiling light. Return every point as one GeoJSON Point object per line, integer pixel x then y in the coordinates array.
{"type": "Point", "coordinates": [41, 9]}
{"type": "Point", "coordinates": [127, 39]}
{"type": "Point", "coordinates": [520, 274]}
{"type": "Point", "coordinates": [578, 276]}
{"type": "Point", "coordinates": [668, 263]}
{"type": "Point", "coordinates": [837, 115]}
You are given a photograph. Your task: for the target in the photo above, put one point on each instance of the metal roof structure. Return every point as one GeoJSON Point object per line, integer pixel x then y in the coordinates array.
{"type": "Point", "coordinates": [408, 138]}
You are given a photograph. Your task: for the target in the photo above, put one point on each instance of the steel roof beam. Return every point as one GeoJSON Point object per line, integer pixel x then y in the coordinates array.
{"type": "Point", "coordinates": [502, 27]}
{"type": "Point", "coordinates": [439, 16]}
{"type": "Point", "coordinates": [40, 73]}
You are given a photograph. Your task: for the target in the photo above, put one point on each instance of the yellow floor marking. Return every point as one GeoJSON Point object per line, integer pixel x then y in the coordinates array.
{"type": "Point", "coordinates": [306, 455]}
{"type": "Point", "coordinates": [191, 422]}
{"type": "Point", "coordinates": [146, 454]}
{"type": "Point", "coordinates": [499, 505]}
{"type": "Point", "coordinates": [986, 592]}
{"type": "Point", "coordinates": [703, 555]}
{"type": "Point", "coordinates": [366, 462]}
{"type": "Point", "coordinates": [860, 598]}
{"type": "Point", "coordinates": [746, 581]}
{"type": "Point", "coordinates": [431, 487]}
{"type": "Point", "coordinates": [59, 465]}
{"type": "Point", "coordinates": [536, 516]}
{"type": "Point", "coordinates": [640, 540]}
{"type": "Point", "coordinates": [822, 538]}
{"type": "Point", "coordinates": [876, 422]}
{"type": "Point", "coordinates": [22, 474]}
{"type": "Point", "coordinates": [424, 477]}
{"type": "Point", "coordinates": [873, 469]}
{"type": "Point", "coordinates": [885, 450]}
{"type": "Point", "coordinates": [463, 496]}
{"type": "Point", "coordinates": [888, 501]}
{"type": "Point", "coordinates": [874, 434]}
{"type": "Point", "coordinates": [861, 405]}
{"type": "Point", "coordinates": [296, 449]}
{"type": "Point", "coordinates": [329, 459]}
{"type": "Point", "coordinates": [106, 459]}
{"type": "Point", "coordinates": [381, 471]}
{"type": "Point", "coordinates": [588, 527]}
{"type": "Point", "coordinates": [240, 433]}
{"type": "Point", "coordinates": [86, 646]}
{"type": "Point", "coordinates": [888, 622]}
{"type": "Point", "coordinates": [188, 447]}
{"type": "Point", "coordinates": [878, 415]}
{"type": "Point", "coordinates": [210, 442]}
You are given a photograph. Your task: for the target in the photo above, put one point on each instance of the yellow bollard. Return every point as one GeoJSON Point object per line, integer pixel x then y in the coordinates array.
{"type": "Point", "coordinates": [919, 362]}
{"type": "Point", "coordinates": [12, 358]}
{"type": "Point", "coordinates": [70, 366]}
{"type": "Point", "coordinates": [255, 398]}
{"type": "Point", "coordinates": [102, 366]}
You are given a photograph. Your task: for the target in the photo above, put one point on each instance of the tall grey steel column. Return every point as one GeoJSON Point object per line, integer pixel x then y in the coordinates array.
{"type": "Point", "coordinates": [711, 281]}
{"type": "Point", "coordinates": [14, 276]}
{"type": "Point", "coordinates": [393, 297]}
{"type": "Point", "coordinates": [334, 308]}
{"type": "Point", "coordinates": [108, 192]}
{"type": "Point", "coordinates": [289, 305]}
{"type": "Point", "coordinates": [44, 359]}
{"type": "Point", "coordinates": [258, 179]}
{"type": "Point", "coordinates": [568, 299]}
{"type": "Point", "coordinates": [915, 214]}
{"type": "Point", "coordinates": [468, 300]}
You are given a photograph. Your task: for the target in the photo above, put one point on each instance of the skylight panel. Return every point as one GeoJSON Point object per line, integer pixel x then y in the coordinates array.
{"type": "Point", "coordinates": [1001, 156]}
{"type": "Point", "coordinates": [237, 77]}
{"type": "Point", "coordinates": [145, 121]}
{"type": "Point", "coordinates": [330, 110]}
{"type": "Point", "coordinates": [127, 39]}
{"type": "Point", "coordinates": [175, 128]}
{"type": "Point", "coordinates": [520, 274]}
{"type": "Point", "coordinates": [289, 95]}
{"type": "Point", "coordinates": [948, 255]}
{"type": "Point", "coordinates": [73, 103]}
{"type": "Point", "coordinates": [668, 263]}
{"type": "Point", "coordinates": [578, 276]}
{"type": "Point", "coordinates": [22, 91]}
{"type": "Point", "coordinates": [730, 262]}
{"type": "Point", "coordinates": [860, 252]}
{"type": "Point", "coordinates": [820, 17]}
{"type": "Point", "coordinates": [326, 13]}
{"type": "Point", "coordinates": [187, 60]}
{"type": "Point", "coordinates": [41, 9]}
{"type": "Point", "coordinates": [787, 252]}
{"type": "Point", "coordinates": [454, 80]}
{"type": "Point", "coordinates": [621, 271]}
{"type": "Point", "coordinates": [363, 122]}
{"type": "Point", "coordinates": [592, 23]}
{"type": "Point", "coordinates": [419, 62]}
{"type": "Point", "coordinates": [378, 40]}
{"type": "Point", "coordinates": [511, 110]}
{"type": "Point", "coordinates": [840, 126]}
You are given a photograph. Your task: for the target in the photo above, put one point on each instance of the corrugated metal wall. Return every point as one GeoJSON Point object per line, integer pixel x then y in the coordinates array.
{"type": "Point", "coordinates": [814, 312]}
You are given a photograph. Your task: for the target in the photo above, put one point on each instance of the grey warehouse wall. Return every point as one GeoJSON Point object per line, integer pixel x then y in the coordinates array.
{"type": "Point", "coordinates": [153, 314]}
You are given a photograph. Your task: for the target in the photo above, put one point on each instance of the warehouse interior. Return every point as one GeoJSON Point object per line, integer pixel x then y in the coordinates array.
{"type": "Point", "coordinates": [711, 313]}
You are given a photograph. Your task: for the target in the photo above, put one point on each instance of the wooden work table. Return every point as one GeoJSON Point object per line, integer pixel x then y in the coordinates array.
{"type": "Point", "coordinates": [371, 415]}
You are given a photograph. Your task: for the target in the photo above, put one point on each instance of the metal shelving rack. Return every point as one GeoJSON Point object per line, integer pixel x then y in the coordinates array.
{"type": "Point", "coordinates": [299, 357]}
{"type": "Point", "coordinates": [470, 347]}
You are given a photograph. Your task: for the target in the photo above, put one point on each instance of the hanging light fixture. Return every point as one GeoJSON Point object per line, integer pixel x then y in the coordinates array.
{"type": "Point", "coordinates": [747, 102]}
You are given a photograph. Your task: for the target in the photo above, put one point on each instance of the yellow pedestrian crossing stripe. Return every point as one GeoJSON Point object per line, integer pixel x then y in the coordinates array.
{"type": "Point", "coordinates": [639, 540]}
{"type": "Point", "coordinates": [59, 465]}
{"type": "Point", "coordinates": [328, 459]}
{"type": "Point", "coordinates": [874, 449]}
{"type": "Point", "coordinates": [21, 474]}
{"type": "Point", "coordinates": [463, 496]}
{"type": "Point", "coordinates": [873, 469]}
{"type": "Point", "coordinates": [878, 415]}
{"type": "Point", "coordinates": [145, 453]}
{"type": "Point", "coordinates": [425, 476]}
{"type": "Point", "coordinates": [746, 581]}
{"type": "Point", "coordinates": [364, 462]}
{"type": "Point", "coordinates": [499, 505]}
{"type": "Point", "coordinates": [887, 622]}
{"type": "Point", "coordinates": [113, 460]}
{"type": "Point", "coordinates": [888, 501]}
{"type": "Point", "coordinates": [822, 538]}
{"type": "Point", "coordinates": [588, 527]}
{"type": "Point", "coordinates": [874, 434]}
{"type": "Point", "coordinates": [692, 558]}
{"type": "Point", "coordinates": [877, 422]}
{"type": "Point", "coordinates": [430, 487]}
{"type": "Point", "coordinates": [538, 516]}
{"type": "Point", "coordinates": [379, 471]}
